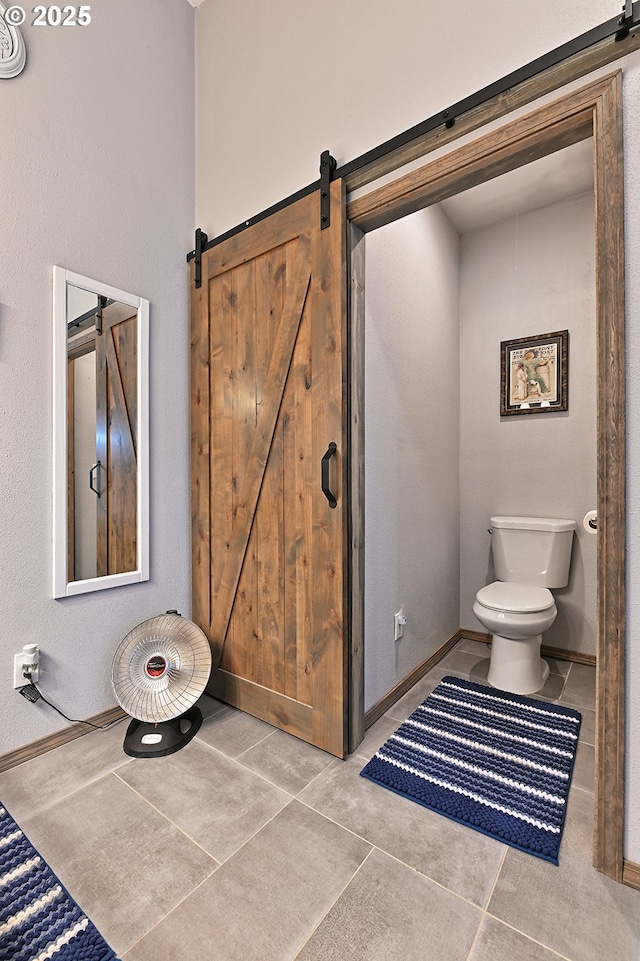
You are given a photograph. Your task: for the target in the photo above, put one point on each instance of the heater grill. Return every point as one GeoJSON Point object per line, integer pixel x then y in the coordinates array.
{"type": "Point", "coordinates": [158, 673]}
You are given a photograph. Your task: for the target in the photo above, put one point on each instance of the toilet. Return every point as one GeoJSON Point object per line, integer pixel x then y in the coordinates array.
{"type": "Point", "coordinates": [530, 555]}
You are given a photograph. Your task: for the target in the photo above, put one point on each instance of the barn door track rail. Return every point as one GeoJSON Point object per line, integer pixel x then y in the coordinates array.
{"type": "Point", "coordinates": [612, 39]}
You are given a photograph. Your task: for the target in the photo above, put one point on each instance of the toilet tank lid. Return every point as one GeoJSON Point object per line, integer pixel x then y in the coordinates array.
{"type": "Point", "coordinates": [534, 523]}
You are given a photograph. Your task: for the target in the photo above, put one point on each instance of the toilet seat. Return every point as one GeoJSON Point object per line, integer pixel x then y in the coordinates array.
{"type": "Point", "coordinates": [515, 598]}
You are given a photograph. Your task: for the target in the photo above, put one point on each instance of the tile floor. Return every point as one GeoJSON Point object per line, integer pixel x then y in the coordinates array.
{"type": "Point", "coordinates": [249, 844]}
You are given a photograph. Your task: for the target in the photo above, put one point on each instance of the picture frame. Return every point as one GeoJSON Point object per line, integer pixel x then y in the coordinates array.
{"type": "Point", "coordinates": [534, 374]}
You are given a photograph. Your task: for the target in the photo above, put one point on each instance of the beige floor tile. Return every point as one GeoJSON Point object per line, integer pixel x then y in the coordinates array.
{"type": "Point", "coordinates": [552, 688]}
{"type": "Point", "coordinates": [580, 688]}
{"type": "Point", "coordinates": [407, 704]}
{"type": "Point", "coordinates": [572, 909]}
{"type": "Point", "coordinates": [588, 726]}
{"type": "Point", "coordinates": [479, 672]}
{"type": "Point", "coordinates": [557, 666]}
{"type": "Point", "coordinates": [124, 863]}
{"type": "Point", "coordinates": [464, 665]}
{"type": "Point", "coordinates": [232, 732]}
{"type": "Point", "coordinates": [266, 900]}
{"type": "Point", "coordinates": [474, 647]}
{"type": "Point", "coordinates": [584, 767]}
{"type": "Point", "coordinates": [210, 706]}
{"type": "Point", "coordinates": [286, 761]}
{"type": "Point", "coordinates": [210, 797]}
{"type": "Point", "coordinates": [286, 862]}
{"type": "Point", "coordinates": [497, 942]}
{"type": "Point", "coordinates": [34, 786]}
{"type": "Point", "coordinates": [455, 856]}
{"type": "Point", "coordinates": [376, 735]}
{"type": "Point", "coordinates": [389, 912]}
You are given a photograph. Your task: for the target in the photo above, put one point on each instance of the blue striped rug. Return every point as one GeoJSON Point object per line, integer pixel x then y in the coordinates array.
{"type": "Point", "coordinates": [499, 763]}
{"type": "Point", "coordinates": [39, 920]}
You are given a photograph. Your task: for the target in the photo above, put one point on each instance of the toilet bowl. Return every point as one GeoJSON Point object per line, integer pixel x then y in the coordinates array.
{"type": "Point", "coordinates": [517, 616]}
{"type": "Point", "coordinates": [530, 555]}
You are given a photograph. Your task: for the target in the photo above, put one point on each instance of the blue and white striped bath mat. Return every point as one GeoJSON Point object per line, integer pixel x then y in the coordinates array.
{"type": "Point", "coordinates": [500, 763]}
{"type": "Point", "coordinates": [39, 920]}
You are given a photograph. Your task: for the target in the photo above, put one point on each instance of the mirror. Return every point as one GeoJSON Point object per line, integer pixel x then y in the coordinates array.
{"type": "Point", "coordinates": [101, 436]}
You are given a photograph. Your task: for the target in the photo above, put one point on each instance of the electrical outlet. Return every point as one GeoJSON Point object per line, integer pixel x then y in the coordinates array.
{"type": "Point", "coordinates": [399, 620]}
{"type": "Point", "coordinates": [18, 679]}
{"type": "Point", "coordinates": [19, 660]}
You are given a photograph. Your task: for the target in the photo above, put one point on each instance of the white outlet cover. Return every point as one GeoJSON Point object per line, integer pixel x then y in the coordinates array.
{"type": "Point", "coordinates": [18, 679]}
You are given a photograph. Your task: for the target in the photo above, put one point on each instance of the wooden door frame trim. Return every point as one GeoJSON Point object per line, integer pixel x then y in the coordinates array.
{"type": "Point", "coordinates": [595, 110]}
{"type": "Point", "coordinates": [354, 485]}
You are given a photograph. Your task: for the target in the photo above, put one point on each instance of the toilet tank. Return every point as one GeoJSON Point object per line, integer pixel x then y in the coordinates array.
{"type": "Point", "coordinates": [532, 550]}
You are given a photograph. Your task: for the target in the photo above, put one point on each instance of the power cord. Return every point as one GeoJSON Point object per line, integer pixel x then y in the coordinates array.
{"type": "Point", "coordinates": [33, 694]}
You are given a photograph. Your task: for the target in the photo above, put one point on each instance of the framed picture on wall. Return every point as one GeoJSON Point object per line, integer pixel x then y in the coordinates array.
{"type": "Point", "coordinates": [534, 374]}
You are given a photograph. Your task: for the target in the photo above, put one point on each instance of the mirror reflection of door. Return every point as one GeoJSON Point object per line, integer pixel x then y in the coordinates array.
{"type": "Point", "coordinates": [102, 425]}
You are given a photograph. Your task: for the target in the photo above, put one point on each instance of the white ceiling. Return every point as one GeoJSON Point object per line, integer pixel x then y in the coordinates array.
{"type": "Point", "coordinates": [563, 174]}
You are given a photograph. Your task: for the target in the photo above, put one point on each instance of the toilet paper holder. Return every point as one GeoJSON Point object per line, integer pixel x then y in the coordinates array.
{"type": "Point", "coordinates": [590, 521]}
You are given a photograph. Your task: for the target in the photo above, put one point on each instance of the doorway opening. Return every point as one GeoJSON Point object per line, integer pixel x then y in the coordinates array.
{"type": "Point", "coordinates": [591, 115]}
{"type": "Point", "coordinates": [513, 257]}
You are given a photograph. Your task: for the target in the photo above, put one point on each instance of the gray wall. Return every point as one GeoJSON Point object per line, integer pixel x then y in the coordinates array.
{"type": "Point", "coordinates": [529, 275]}
{"type": "Point", "coordinates": [411, 444]}
{"type": "Point", "coordinates": [97, 161]}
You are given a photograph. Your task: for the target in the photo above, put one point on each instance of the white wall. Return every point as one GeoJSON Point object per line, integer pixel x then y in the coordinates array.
{"type": "Point", "coordinates": [96, 161]}
{"type": "Point", "coordinates": [278, 83]}
{"type": "Point", "coordinates": [529, 275]}
{"type": "Point", "coordinates": [411, 444]}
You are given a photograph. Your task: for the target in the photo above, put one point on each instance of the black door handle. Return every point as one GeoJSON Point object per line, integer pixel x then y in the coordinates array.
{"type": "Point", "coordinates": [96, 467]}
{"type": "Point", "coordinates": [326, 490]}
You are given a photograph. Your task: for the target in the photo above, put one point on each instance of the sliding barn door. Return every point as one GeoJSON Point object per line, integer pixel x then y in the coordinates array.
{"type": "Point", "coordinates": [116, 430]}
{"type": "Point", "coordinates": [102, 502]}
{"type": "Point", "coordinates": [268, 414]}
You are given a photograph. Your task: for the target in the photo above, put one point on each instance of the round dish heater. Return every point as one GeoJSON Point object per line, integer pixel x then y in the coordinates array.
{"type": "Point", "coordinates": [158, 673]}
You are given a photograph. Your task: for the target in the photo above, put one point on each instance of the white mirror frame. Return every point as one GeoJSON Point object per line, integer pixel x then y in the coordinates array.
{"type": "Point", "coordinates": [62, 587]}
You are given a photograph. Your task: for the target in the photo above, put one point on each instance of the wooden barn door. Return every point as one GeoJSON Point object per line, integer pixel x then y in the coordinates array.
{"type": "Point", "coordinates": [116, 431]}
{"type": "Point", "coordinates": [112, 524]}
{"type": "Point", "coordinates": [268, 404]}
